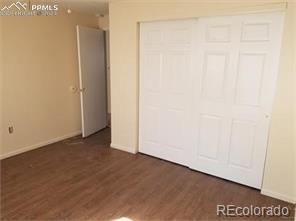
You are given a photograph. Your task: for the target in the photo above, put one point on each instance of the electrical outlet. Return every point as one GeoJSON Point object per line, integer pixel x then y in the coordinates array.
{"type": "Point", "coordinates": [10, 129]}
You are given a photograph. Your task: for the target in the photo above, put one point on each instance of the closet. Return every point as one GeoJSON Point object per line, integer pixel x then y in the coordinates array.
{"type": "Point", "coordinates": [206, 92]}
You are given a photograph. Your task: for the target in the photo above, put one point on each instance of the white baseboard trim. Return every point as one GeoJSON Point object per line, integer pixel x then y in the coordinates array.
{"type": "Point", "coordinates": [278, 196]}
{"type": "Point", "coordinates": [123, 148]}
{"type": "Point", "coordinates": [38, 145]}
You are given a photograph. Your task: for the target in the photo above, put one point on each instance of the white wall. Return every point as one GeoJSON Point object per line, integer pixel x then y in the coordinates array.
{"type": "Point", "coordinates": [279, 178]}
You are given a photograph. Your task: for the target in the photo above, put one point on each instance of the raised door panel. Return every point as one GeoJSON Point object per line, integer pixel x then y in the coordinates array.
{"type": "Point", "coordinates": [210, 134]}
{"type": "Point", "coordinates": [152, 68]}
{"type": "Point", "coordinates": [215, 68]}
{"type": "Point", "coordinates": [218, 33]}
{"type": "Point", "coordinates": [249, 80]}
{"type": "Point", "coordinates": [255, 31]}
{"type": "Point", "coordinates": [242, 141]}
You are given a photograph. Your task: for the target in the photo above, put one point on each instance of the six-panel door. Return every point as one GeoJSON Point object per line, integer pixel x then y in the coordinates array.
{"type": "Point", "coordinates": [237, 64]}
{"type": "Point", "coordinates": [166, 67]}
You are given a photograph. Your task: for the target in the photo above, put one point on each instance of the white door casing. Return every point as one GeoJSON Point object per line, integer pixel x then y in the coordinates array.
{"type": "Point", "coordinates": [92, 77]}
{"type": "Point", "coordinates": [217, 116]}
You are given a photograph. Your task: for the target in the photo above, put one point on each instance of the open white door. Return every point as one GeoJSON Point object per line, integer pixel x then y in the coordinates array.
{"type": "Point", "coordinates": [92, 76]}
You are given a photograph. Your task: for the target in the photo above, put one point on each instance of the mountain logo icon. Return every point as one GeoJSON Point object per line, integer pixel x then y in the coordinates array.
{"type": "Point", "coordinates": [18, 5]}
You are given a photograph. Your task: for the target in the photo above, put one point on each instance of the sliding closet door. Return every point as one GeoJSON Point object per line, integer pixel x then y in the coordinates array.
{"type": "Point", "coordinates": [206, 92]}
{"type": "Point", "coordinates": [237, 59]}
{"type": "Point", "coordinates": [165, 108]}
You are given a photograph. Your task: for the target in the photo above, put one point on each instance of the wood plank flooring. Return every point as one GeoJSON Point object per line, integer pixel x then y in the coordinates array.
{"type": "Point", "coordinates": [87, 180]}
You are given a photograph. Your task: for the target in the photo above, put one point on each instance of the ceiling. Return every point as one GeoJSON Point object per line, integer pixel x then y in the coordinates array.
{"type": "Point", "coordinates": [94, 7]}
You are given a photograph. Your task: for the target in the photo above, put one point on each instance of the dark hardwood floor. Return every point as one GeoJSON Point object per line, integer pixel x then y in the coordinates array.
{"type": "Point", "coordinates": [87, 180]}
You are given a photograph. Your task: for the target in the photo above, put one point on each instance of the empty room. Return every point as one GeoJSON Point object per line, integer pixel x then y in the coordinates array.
{"type": "Point", "coordinates": [147, 110]}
